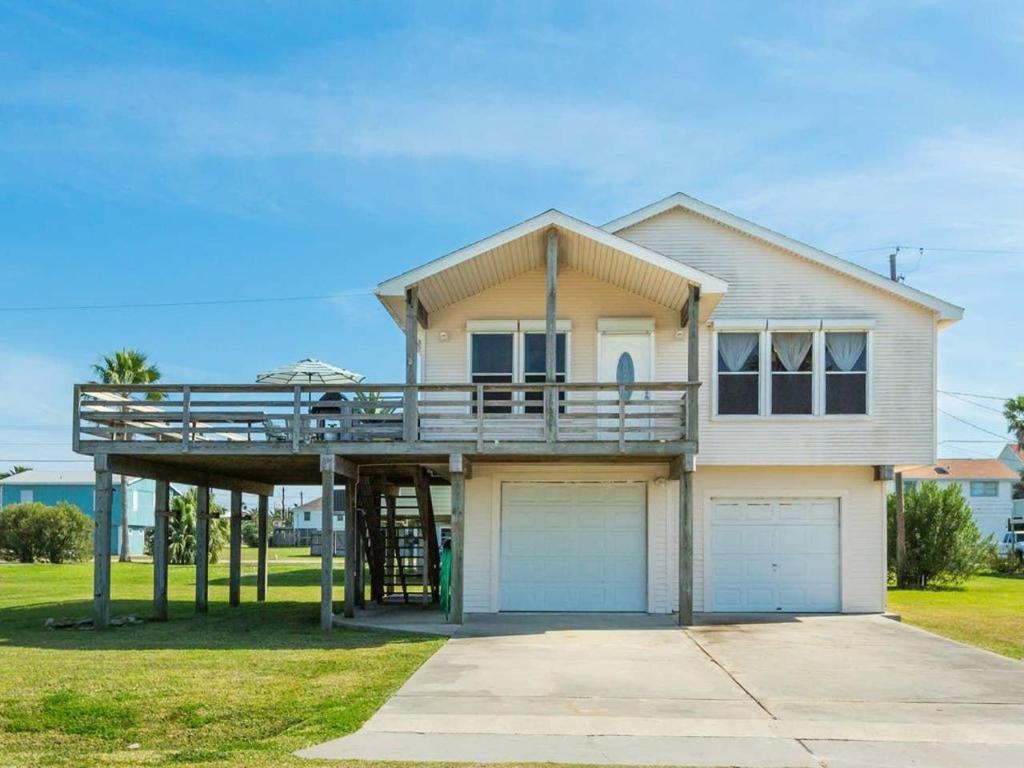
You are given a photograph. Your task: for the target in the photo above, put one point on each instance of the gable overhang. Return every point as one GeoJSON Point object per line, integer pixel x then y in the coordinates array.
{"type": "Point", "coordinates": [946, 313]}
{"type": "Point", "coordinates": [521, 248]}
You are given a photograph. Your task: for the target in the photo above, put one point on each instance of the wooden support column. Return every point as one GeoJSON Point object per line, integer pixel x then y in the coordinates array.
{"type": "Point", "coordinates": [360, 556]}
{"type": "Point", "coordinates": [351, 545]}
{"type": "Point", "coordinates": [901, 533]}
{"type": "Point", "coordinates": [162, 513]}
{"type": "Point", "coordinates": [686, 541]}
{"type": "Point", "coordinates": [101, 544]}
{"type": "Point", "coordinates": [261, 549]}
{"type": "Point", "coordinates": [235, 550]}
{"type": "Point", "coordinates": [202, 549]}
{"type": "Point", "coordinates": [458, 478]}
{"type": "Point", "coordinates": [693, 363]}
{"type": "Point", "coordinates": [411, 408]}
{"type": "Point", "coordinates": [327, 543]}
{"type": "Point", "coordinates": [551, 338]}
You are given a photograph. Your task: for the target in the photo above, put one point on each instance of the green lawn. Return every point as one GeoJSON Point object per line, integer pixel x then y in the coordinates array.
{"type": "Point", "coordinates": [987, 611]}
{"type": "Point", "coordinates": [280, 553]}
{"type": "Point", "coordinates": [239, 687]}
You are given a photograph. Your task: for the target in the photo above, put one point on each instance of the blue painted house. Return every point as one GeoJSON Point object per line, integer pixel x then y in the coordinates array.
{"type": "Point", "coordinates": [79, 488]}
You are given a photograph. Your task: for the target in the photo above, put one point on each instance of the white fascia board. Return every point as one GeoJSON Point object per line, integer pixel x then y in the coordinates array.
{"type": "Point", "coordinates": [397, 286]}
{"type": "Point", "coordinates": [947, 313]}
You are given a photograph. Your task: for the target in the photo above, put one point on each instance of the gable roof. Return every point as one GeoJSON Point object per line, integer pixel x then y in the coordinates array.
{"type": "Point", "coordinates": [961, 469]}
{"type": "Point", "coordinates": [54, 477]}
{"type": "Point", "coordinates": [516, 260]}
{"type": "Point", "coordinates": [947, 313]}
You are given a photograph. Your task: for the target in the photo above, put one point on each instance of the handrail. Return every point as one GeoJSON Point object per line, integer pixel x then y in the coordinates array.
{"type": "Point", "coordinates": [293, 416]}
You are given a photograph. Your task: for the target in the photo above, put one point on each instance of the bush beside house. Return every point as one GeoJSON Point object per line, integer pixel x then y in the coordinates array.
{"type": "Point", "coordinates": [31, 531]}
{"type": "Point", "coordinates": [943, 544]}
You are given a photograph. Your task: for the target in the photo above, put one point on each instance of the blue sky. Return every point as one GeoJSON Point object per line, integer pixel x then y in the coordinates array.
{"type": "Point", "coordinates": [173, 152]}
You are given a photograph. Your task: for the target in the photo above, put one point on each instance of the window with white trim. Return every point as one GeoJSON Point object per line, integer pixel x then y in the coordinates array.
{"type": "Point", "coordinates": [792, 372]}
{"type": "Point", "coordinates": [984, 488]}
{"type": "Point", "coordinates": [739, 373]}
{"type": "Point", "coordinates": [492, 361]}
{"type": "Point", "coordinates": [499, 357]}
{"type": "Point", "coordinates": [846, 372]}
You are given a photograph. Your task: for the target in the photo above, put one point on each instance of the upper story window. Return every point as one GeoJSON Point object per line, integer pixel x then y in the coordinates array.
{"type": "Point", "coordinates": [846, 372]}
{"type": "Point", "coordinates": [792, 378]}
{"type": "Point", "coordinates": [739, 377]}
{"type": "Point", "coordinates": [305, 517]}
{"type": "Point", "coordinates": [500, 357]}
{"type": "Point", "coordinates": [984, 488]}
{"type": "Point", "coordinates": [492, 361]}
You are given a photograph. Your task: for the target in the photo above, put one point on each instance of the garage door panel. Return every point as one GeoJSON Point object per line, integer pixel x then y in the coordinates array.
{"type": "Point", "coordinates": [775, 555]}
{"type": "Point", "coordinates": [586, 554]}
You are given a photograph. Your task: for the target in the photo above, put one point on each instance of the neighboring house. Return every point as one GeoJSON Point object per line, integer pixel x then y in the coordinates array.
{"type": "Point", "coordinates": [705, 377]}
{"type": "Point", "coordinates": [987, 486]}
{"type": "Point", "coordinates": [307, 516]}
{"type": "Point", "coordinates": [79, 488]}
{"type": "Point", "coordinates": [1013, 456]}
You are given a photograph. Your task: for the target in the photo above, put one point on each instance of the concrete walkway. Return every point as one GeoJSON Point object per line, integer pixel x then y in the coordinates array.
{"type": "Point", "coordinates": [841, 691]}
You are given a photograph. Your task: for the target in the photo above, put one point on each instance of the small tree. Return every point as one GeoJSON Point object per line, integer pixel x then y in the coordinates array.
{"type": "Point", "coordinates": [64, 533]}
{"type": "Point", "coordinates": [181, 535]}
{"type": "Point", "coordinates": [30, 531]}
{"type": "Point", "coordinates": [18, 531]}
{"type": "Point", "coordinates": [1013, 410]}
{"type": "Point", "coordinates": [944, 545]}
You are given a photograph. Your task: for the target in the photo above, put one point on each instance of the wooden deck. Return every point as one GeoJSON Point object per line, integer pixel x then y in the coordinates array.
{"type": "Point", "coordinates": [376, 420]}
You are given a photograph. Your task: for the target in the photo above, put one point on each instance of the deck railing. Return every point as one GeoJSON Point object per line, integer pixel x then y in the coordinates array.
{"type": "Point", "coordinates": [296, 416]}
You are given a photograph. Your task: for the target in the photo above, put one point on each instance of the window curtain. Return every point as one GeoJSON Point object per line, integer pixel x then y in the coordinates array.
{"type": "Point", "coordinates": [735, 349]}
{"type": "Point", "coordinates": [792, 349]}
{"type": "Point", "coordinates": [846, 348]}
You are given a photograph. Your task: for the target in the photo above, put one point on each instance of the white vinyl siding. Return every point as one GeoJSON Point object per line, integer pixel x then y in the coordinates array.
{"type": "Point", "coordinates": [770, 283]}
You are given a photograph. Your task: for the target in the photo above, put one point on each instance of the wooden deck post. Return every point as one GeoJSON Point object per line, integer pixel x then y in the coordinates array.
{"type": "Point", "coordinates": [901, 532]}
{"type": "Point", "coordinates": [410, 402]}
{"type": "Point", "coordinates": [235, 550]}
{"type": "Point", "coordinates": [693, 363]}
{"type": "Point", "coordinates": [101, 544]}
{"type": "Point", "coordinates": [456, 465]}
{"type": "Point", "coordinates": [162, 513]}
{"type": "Point", "coordinates": [202, 548]}
{"type": "Point", "coordinates": [551, 338]}
{"type": "Point", "coordinates": [360, 520]}
{"type": "Point", "coordinates": [351, 544]}
{"type": "Point", "coordinates": [327, 542]}
{"type": "Point", "coordinates": [261, 549]}
{"type": "Point", "coordinates": [686, 542]}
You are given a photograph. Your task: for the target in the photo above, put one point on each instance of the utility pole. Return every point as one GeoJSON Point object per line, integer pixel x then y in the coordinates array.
{"type": "Point", "coordinates": [893, 274]}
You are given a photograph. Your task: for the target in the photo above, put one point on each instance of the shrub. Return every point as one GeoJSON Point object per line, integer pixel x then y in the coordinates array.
{"type": "Point", "coordinates": [251, 533]}
{"type": "Point", "coordinates": [943, 545]}
{"type": "Point", "coordinates": [60, 533]}
{"type": "Point", "coordinates": [1010, 564]}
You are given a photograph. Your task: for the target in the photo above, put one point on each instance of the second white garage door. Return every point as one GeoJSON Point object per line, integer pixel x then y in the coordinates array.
{"type": "Point", "coordinates": [573, 547]}
{"type": "Point", "coordinates": [775, 555]}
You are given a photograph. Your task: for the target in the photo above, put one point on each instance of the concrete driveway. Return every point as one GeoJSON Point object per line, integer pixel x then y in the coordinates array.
{"type": "Point", "coordinates": [838, 691]}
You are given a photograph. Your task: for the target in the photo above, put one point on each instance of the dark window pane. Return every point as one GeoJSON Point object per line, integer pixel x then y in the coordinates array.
{"type": "Point", "coordinates": [535, 345]}
{"type": "Point", "coordinates": [791, 393]}
{"type": "Point", "coordinates": [539, 378]}
{"type": "Point", "coordinates": [494, 378]}
{"type": "Point", "coordinates": [492, 353]}
{"type": "Point", "coordinates": [860, 365]}
{"type": "Point", "coordinates": [846, 393]}
{"type": "Point", "coordinates": [737, 394]}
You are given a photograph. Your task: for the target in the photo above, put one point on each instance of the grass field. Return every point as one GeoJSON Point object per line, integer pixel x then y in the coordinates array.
{"type": "Point", "coordinates": [239, 687]}
{"type": "Point", "coordinates": [987, 611]}
{"type": "Point", "coordinates": [279, 553]}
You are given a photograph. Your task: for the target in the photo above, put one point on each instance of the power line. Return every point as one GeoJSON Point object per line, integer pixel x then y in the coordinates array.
{"type": "Point", "coordinates": [49, 461]}
{"type": "Point", "coordinates": [973, 394]}
{"type": "Point", "coordinates": [976, 405]}
{"type": "Point", "coordinates": [198, 303]}
{"type": "Point", "coordinates": [975, 426]}
{"type": "Point", "coordinates": [926, 248]}
{"type": "Point", "coordinates": [973, 441]}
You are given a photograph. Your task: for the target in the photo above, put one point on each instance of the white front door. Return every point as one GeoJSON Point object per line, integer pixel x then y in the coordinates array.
{"type": "Point", "coordinates": [625, 358]}
{"type": "Point", "coordinates": [573, 547]}
{"type": "Point", "coordinates": [775, 555]}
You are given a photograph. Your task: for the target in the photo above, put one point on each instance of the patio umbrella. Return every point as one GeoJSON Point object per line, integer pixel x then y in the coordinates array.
{"type": "Point", "coordinates": [309, 371]}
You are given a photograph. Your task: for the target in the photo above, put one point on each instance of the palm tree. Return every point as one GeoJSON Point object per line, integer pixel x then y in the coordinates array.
{"type": "Point", "coordinates": [17, 469]}
{"type": "Point", "coordinates": [1013, 410]}
{"type": "Point", "coordinates": [127, 366]}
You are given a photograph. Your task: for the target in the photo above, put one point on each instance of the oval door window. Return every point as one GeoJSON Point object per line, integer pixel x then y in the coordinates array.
{"type": "Point", "coordinates": [625, 372]}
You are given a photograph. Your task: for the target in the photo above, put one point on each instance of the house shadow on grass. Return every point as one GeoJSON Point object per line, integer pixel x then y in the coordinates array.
{"type": "Point", "coordinates": [276, 624]}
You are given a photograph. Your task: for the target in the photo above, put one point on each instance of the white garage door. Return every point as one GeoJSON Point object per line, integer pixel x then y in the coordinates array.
{"type": "Point", "coordinates": [775, 555]}
{"type": "Point", "coordinates": [573, 547]}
